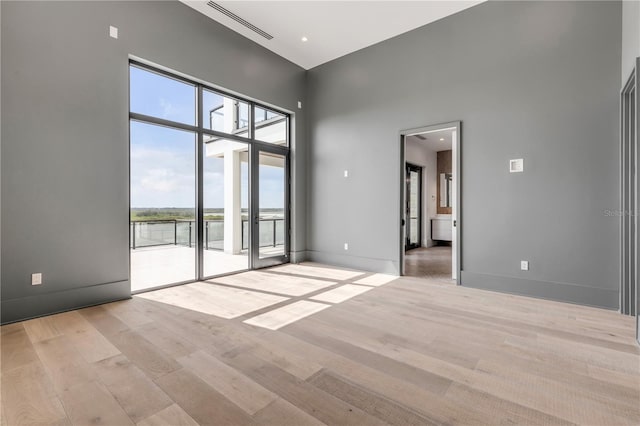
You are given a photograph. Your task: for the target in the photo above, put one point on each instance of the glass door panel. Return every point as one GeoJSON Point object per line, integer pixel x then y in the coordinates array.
{"type": "Point", "coordinates": [163, 206]}
{"type": "Point", "coordinates": [225, 206]}
{"type": "Point", "coordinates": [270, 224]}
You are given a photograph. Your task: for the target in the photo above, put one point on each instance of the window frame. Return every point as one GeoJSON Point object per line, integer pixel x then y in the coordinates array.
{"type": "Point", "coordinates": [255, 145]}
{"type": "Point", "coordinates": [199, 127]}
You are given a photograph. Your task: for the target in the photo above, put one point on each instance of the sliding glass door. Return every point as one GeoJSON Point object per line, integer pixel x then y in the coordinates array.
{"type": "Point", "coordinates": [209, 181]}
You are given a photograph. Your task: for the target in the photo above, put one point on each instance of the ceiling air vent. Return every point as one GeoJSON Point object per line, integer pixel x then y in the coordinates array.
{"type": "Point", "coordinates": [239, 20]}
{"type": "Point", "coordinates": [421, 137]}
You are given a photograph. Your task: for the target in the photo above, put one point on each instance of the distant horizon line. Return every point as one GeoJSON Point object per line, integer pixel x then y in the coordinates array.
{"type": "Point", "coordinates": [193, 208]}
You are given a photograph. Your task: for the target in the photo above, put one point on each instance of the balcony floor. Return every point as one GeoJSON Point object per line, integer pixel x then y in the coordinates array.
{"type": "Point", "coordinates": [161, 265]}
{"type": "Point", "coordinates": [156, 266]}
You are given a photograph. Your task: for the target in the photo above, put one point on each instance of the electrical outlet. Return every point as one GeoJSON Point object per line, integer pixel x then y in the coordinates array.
{"type": "Point", "coordinates": [524, 265]}
{"type": "Point", "coordinates": [346, 246]}
{"type": "Point", "coordinates": [113, 32]}
{"type": "Point", "coordinates": [346, 173]}
{"type": "Point", "coordinates": [36, 279]}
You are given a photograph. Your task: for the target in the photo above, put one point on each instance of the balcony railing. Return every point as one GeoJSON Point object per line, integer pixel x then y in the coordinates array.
{"type": "Point", "coordinates": [271, 233]}
{"type": "Point", "coordinates": [151, 233]}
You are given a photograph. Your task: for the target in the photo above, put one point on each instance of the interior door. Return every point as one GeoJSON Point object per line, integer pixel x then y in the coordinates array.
{"type": "Point", "coordinates": [413, 206]}
{"type": "Point", "coordinates": [269, 208]}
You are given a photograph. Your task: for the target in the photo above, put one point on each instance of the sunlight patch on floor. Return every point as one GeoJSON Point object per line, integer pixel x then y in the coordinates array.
{"type": "Point", "coordinates": [316, 272]}
{"type": "Point", "coordinates": [224, 302]}
{"type": "Point", "coordinates": [376, 280]}
{"type": "Point", "coordinates": [298, 291]}
{"type": "Point", "coordinates": [286, 315]}
{"type": "Point", "coordinates": [341, 294]}
{"type": "Point", "coordinates": [281, 284]}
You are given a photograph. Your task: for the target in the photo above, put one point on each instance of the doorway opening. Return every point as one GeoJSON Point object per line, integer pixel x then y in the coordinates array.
{"type": "Point", "coordinates": [430, 203]}
{"type": "Point", "coordinates": [209, 181]}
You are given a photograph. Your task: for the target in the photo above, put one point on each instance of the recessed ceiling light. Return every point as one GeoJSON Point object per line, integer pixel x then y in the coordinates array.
{"type": "Point", "coordinates": [441, 139]}
{"type": "Point", "coordinates": [304, 39]}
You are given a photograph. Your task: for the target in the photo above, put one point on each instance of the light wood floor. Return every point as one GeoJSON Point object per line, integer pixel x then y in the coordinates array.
{"type": "Point", "coordinates": [410, 351]}
{"type": "Point", "coordinates": [433, 263]}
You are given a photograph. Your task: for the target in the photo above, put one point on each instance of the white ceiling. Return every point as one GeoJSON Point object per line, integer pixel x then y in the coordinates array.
{"type": "Point", "coordinates": [333, 28]}
{"type": "Point", "coordinates": [435, 141]}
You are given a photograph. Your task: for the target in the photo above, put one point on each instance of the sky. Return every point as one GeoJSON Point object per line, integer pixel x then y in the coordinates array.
{"type": "Point", "coordinates": [163, 160]}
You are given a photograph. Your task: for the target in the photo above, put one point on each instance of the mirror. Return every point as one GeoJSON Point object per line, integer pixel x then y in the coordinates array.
{"type": "Point", "coordinates": [446, 180]}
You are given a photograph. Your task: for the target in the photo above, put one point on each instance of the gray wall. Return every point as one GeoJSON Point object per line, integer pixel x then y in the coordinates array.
{"type": "Point", "coordinates": [537, 80]}
{"type": "Point", "coordinates": [630, 37]}
{"type": "Point", "coordinates": [65, 136]}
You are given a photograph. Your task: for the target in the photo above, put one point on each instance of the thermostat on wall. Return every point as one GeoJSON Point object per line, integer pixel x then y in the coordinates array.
{"type": "Point", "coordinates": [516, 166]}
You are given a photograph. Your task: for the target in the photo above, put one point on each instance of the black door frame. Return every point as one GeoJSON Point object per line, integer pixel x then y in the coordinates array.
{"type": "Point", "coordinates": [254, 207]}
{"type": "Point", "coordinates": [409, 167]}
